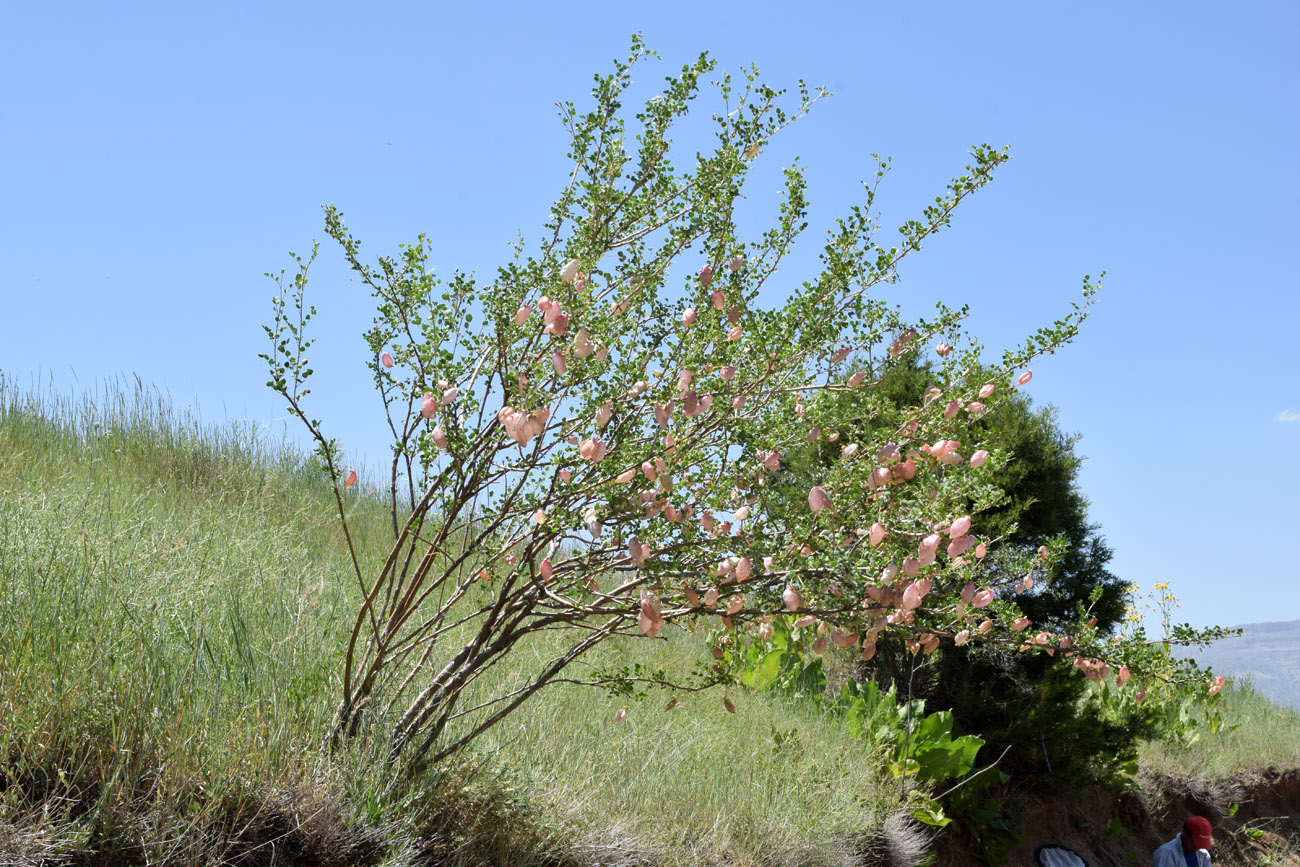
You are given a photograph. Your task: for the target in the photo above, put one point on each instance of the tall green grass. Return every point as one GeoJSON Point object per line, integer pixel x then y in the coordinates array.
{"type": "Point", "coordinates": [1255, 733]}
{"type": "Point", "coordinates": [173, 606]}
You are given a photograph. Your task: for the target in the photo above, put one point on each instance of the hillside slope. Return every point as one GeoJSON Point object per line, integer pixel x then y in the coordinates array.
{"type": "Point", "coordinates": [172, 609]}
{"type": "Point", "coordinates": [1269, 653]}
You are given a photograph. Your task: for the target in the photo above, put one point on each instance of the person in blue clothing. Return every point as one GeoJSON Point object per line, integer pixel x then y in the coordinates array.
{"type": "Point", "coordinates": [1188, 849]}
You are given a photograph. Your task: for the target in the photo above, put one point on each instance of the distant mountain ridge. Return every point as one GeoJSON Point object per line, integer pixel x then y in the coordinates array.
{"type": "Point", "coordinates": [1268, 652]}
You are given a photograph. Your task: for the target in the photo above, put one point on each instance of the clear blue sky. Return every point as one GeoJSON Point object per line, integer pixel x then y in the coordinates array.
{"type": "Point", "coordinates": [159, 158]}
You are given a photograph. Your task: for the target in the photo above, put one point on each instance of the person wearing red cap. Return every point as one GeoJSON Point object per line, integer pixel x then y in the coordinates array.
{"type": "Point", "coordinates": [1188, 849]}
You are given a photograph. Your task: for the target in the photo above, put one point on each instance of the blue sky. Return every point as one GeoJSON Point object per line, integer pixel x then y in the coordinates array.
{"type": "Point", "coordinates": [159, 158]}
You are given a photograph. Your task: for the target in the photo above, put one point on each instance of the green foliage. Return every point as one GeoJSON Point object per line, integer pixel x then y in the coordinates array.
{"type": "Point", "coordinates": [170, 605]}
{"type": "Point", "coordinates": [579, 396]}
{"type": "Point", "coordinates": [921, 747]}
{"type": "Point", "coordinates": [1048, 726]}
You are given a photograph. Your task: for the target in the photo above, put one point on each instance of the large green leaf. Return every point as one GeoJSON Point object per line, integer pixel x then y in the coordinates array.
{"type": "Point", "coordinates": [765, 673]}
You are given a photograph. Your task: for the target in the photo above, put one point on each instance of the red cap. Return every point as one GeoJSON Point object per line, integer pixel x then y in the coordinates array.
{"type": "Point", "coordinates": [1199, 829]}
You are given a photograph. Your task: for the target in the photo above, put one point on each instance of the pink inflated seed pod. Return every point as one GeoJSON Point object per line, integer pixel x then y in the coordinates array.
{"type": "Point", "coordinates": [691, 404]}
{"type": "Point", "coordinates": [744, 568]}
{"type": "Point", "coordinates": [728, 373]}
{"type": "Point", "coordinates": [943, 349]}
{"type": "Point", "coordinates": [951, 409]}
{"type": "Point", "coordinates": [876, 534]}
{"type": "Point", "coordinates": [637, 551]}
{"type": "Point", "coordinates": [818, 499]}
{"type": "Point", "coordinates": [620, 716]}
{"type": "Point", "coordinates": [522, 314]}
{"type": "Point", "coordinates": [960, 546]}
{"type": "Point", "coordinates": [980, 551]}
{"type": "Point", "coordinates": [840, 354]}
{"type": "Point", "coordinates": [976, 408]}
{"type": "Point", "coordinates": [911, 597]}
{"type": "Point", "coordinates": [688, 317]}
{"type": "Point", "coordinates": [350, 479]}
{"type": "Point", "coordinates": [547, 570]}
{"type": "Point", "coordinates": [428, 405]}
{"type": "Point", "coordinates": [978, 459]}
{"type": "Point", "coordinates": [735, 334]}
{"type": "Point", "coordinates": [386, 360]}
{"type": "Point", "coordinates": [651, 618]}
{"type": "Point", "coordinates": [792, 599]}
{"type": "Point", "coordinates": [1140, 696]}
{"type": "Point", "coordinates": [706, 275]}
{"type": "Point", "coordinates": [711, 597]}
{"type": "Point", "coordinates": [984, 627]}
{"type": "Point", "coordinates": [805, 621]}
{"type": "Point", "coordinates": [987, 390]}
{"type": "Point", "coordinates": [868, 651]}
{"type": "Point", "coordinates": [772, 461]}
{"type": "Point", "coordinates": [557, 361]}
{"type": "Point", "coordinates": [582, 345]}
{"type": "Point", "coordinates": [931, 394]}
{"type": "Point", "coordinates": [961, 637]}
{"type": "Point", "coordinates": [911, 566]}
{"type": "Point", "coordinates": [719, 300]}
{"type": "Point", "coordinates": [1123, 676]}
{"type": "Point", "coordinates": [569, 272]}
{"type": "Point", "coordinates": [1024, 378]}
{"type": "Point", "coordinates": [959, 528]}
{"type": "Point", "coordinates": [735, 603]}
{"type": "Point", "coordinates": [539, 516]}
{"type": "Point", "coordinates": [765, 630]}
{"type": "Point", "coordinates": [733, 314]}
{"type": "Point", "coordinates": [736, 262]}
{"type": "Point", "coordinates": [1019, 623]}
{"type": "Point", "coordinates": [856, 380]}
{"type": "Point", "coordinates": [626, 476]}
{"type": "Point", "coordinates": [982, 599]}
{"type": "Point", "coordinates": [1216, 685]}
{"type": "Point", "coordinates": [559, 325]}
{"type": "Point", "coordinates": [439, 437]}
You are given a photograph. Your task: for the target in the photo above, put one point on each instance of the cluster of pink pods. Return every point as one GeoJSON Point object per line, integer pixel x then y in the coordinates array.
{"type": "Point", "coordinates": [522, 427]}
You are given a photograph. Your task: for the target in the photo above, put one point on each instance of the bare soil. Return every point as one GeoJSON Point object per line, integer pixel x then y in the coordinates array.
{"type": "Point", "coordinates": [1256, 818]}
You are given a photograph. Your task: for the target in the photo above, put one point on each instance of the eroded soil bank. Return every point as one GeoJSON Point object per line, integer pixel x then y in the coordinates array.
{"type": "Point", "coordinates": [1256, 817]}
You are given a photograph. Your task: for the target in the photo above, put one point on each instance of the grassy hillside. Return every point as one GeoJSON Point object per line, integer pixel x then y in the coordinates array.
{"type": "Point", "coordinates": [172, 608]}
